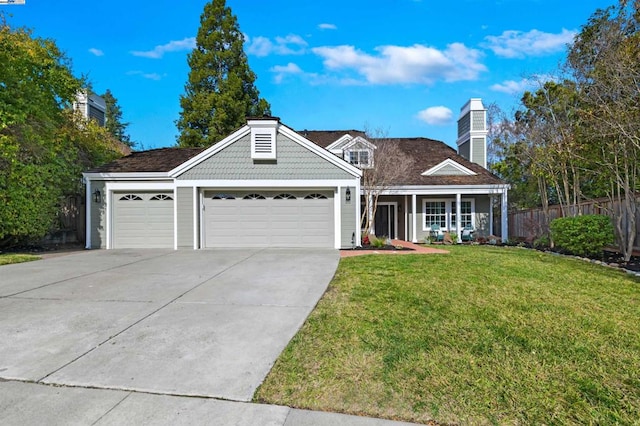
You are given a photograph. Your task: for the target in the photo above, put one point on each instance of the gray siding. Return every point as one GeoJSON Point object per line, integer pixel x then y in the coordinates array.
{"type": "Point", "coordinates": [463, 149]}
{"type": "Point", "coordinates": [184, 210]}
{"type": "Point", "coordinates": [449, 170]}
{"type": "Point", "coordinates": [464, 125]}
{"type": "Point", "coordinates": [293, 162]}
{"type": "Point", "coordinates": [478, 151]}
{"type": "Point", "coordinates": [348, 223]}
{"type": "Point", "coordinates": [478, 120]}
{"type": "Point", "coordinates": [98, 217]}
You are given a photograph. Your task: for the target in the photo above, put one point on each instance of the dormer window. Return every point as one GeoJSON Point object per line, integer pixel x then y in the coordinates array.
{"type": "Point", "coordinates": [359, 158]}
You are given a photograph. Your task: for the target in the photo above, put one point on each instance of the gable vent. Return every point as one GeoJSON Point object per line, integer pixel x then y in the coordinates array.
{"type": "Point", "coordinates": [263, 139]}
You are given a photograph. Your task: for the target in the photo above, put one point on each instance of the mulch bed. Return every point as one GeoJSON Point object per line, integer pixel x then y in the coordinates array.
{"type": "Point", "coordinates": [383, 248]}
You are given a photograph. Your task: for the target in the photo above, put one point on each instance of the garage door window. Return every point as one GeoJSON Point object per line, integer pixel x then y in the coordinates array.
{"type": "Point", "coordinates": [223, 197]}
{"type": "Point", "coordinates": [161, 197]}
{"type": "Point", "coordinates": [254, 197]}
{"type": "Point", "coordinates": [315, 197]}
{"type": "Point", "coordinates": [284, 197]}
{"type": "Point", "coordinates": [130, 197]}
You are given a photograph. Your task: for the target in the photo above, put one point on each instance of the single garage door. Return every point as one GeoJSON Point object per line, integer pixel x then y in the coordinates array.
{"type": "Point", "coordinates": [268, 219]}
{"type": "Point", "coordinates": [142, 220]}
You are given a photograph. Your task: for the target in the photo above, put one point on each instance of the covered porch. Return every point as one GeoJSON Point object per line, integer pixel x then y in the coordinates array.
{"type": "Point", "coordinates": [408, 213]}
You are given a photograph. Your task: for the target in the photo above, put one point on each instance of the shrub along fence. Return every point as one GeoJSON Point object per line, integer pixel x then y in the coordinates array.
{"type": "Point", "coordinates": [531, 224]}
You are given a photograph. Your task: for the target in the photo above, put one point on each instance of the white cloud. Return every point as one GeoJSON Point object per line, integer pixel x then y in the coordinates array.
{"type": "Point", "coordinates": [96, 52]}
{"type": "Point", "coordinates": [517, 44]}
{"type": "Point", "coordinates": [326, 26]}
{"type": "Point", "coordinates": [405, 65]}
{"type": "Point", "coordinates": [437, 115]}
{"type": "Point", "coordinates": [281, 71]}
{"type": "Point", "coordinates": [149, 76]}
{"type": "Point", "coordinates": [291, 44]}
{"type": "Point", "coordinates": [512, 87]}
{"type": "Point", "coordinates": [158, 52]}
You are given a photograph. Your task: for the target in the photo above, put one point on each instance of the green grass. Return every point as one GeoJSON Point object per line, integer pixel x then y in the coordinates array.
{"type": "Point", "coordinates": [9, 258]}
{"type": "Point", "coordinates": [483, 335]}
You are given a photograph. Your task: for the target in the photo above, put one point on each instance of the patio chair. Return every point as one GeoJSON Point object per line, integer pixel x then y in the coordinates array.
{"type": "Point", "coordinates": [467, 234]}
{"type": "Point", "coordinates": [436, 233]}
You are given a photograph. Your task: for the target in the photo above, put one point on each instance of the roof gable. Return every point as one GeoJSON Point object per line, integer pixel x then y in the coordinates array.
{"type": "Point", "coordinates": [448, 167]}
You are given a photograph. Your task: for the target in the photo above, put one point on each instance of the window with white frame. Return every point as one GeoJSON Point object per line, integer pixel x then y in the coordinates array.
{"type": "Point", "coordinates": [443, 213]}
{"type": "Point", "coordinates": [359, 157]}
{"type": "Point", "coordinates": [435, 212]}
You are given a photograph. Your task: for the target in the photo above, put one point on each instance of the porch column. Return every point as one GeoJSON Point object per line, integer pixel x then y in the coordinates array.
{"type": "Point", "coordinates": [458, 218]}
{"type": "Point", "coordinates": [491, 201]}
{"type": "Point", "coordinates": [414, 232]}
{"type": "Point", "coordinates": [406, 218]}
{"type": "Point", "coordinates": [505, 216]}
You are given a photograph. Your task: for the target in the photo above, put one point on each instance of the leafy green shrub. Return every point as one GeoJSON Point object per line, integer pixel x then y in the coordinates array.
{"type": "Point", "coordinates": [377, 242]}
{"type": "Point", "coordinates": [542, 242]}
{"type": "Point", "coordinates": [582, 235]}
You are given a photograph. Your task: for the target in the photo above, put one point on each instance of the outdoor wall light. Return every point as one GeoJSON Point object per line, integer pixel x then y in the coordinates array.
{"type": "Point", "coordinates": [97, 197]}
{"type": "Point", "coordinates": [348, 195]}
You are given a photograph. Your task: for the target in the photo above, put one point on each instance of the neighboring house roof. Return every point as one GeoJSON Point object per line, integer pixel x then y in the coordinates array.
{"type": "Point", "coordinates": [155, 160]}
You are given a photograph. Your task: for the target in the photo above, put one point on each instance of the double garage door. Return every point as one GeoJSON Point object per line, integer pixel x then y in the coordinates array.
{"type": "Point", "coordinates": [268, 219]}
{"type": "Point", "coordinates": [142, 220]}
{"type": "Point", "coordinates": [229, 219]}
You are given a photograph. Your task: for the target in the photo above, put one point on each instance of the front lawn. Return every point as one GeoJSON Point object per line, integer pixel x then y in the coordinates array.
{"type": "Point", "coordinates": [9, 258]}
{"type": "Point", "coordinates": [484, 335]}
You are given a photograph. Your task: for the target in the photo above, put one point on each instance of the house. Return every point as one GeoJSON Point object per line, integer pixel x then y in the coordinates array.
{"type": "Point", "coordinates": [263, 186]}
{"type": "Point", "coordinates": [91, 107]}
{"type": "Point", "coordinates": [267, 185]}
{"type": "Point", "coordinates": [442, 186]}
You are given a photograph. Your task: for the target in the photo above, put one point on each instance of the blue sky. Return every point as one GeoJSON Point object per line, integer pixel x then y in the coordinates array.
{"type": "Point", "coordinates": [404, 67]}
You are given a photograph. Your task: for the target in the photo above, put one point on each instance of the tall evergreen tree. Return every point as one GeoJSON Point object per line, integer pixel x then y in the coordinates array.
{"type": "Point", "coordinates": [114, 123]}
{"type": "Point", "coordinates": [220, 91]}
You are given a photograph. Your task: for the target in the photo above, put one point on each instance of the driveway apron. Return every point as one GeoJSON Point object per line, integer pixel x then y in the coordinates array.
{"type": "Point", "coordinates": [195, 323]}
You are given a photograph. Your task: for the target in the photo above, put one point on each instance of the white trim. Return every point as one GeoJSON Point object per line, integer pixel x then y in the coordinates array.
{"type": "Point", "coordinates": [264, 183]}
{"type": "Point", "coordinates": [406, 218]}
{"type": "Point", "coordinates": [140, 186]}
{"type": "Point", "coordinates": [448, 212]}
{"type": "Point", "coordinates": [337, 144]}
{"type": "Point", "coordinates": [356, 140]}
{"type": "Point", "coordinates": [107, 208]}
{"type": "Point", "coordinates": [414, 231]}
{"type": "Point", "coordinates": [449, 162]}
{"type": "Point", "coordinates": [175, 219]}
{"type": "Point", "coordinates": [505, 216]}
{"type": "Point", "coordinates": [337, 223]}
{"type": "Point", "coordinates": [357, 228]}
{"type": "Point", "coordinates": [459, 216]}
{"type": "Point", "coordinates": [394, 204]}
{"type": "Point", "coordinates": [195, 218]}
{"type": "Point", "coordinates": [128, 176]}
{"type": "Point", "coordinates": [87, 202]}
{"type": "Point", "coordinates": [445, 189]}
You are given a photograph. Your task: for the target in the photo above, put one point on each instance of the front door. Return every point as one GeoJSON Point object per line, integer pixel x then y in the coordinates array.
{"type": "Point", "coordinates": [385, 220]}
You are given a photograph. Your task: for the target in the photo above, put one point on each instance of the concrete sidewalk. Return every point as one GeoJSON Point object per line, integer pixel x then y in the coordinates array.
{"type": "Point", "coordinates": [29, 404]}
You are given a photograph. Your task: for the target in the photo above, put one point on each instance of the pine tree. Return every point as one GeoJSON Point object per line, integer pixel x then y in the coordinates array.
{"type": "Point", "coordinates": [113, 119]}
{"type": "Point", "coordinates": [220, 91]}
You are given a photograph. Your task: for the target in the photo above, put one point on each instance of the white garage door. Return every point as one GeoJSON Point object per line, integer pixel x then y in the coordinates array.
{"type": "Point", "coordinates": [268, 219]}
{"type": "Point", "coordinates": [142, 220]}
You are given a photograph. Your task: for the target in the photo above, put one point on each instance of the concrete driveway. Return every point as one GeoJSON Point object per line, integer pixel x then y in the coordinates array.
{"type": "Point", "coordinates": [193, 323]}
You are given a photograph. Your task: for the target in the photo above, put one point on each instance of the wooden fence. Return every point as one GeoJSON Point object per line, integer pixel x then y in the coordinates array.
{"type": "Point", "coordinates": [70, 226]}
{"type": "Point", "coordinates": [531, 223]}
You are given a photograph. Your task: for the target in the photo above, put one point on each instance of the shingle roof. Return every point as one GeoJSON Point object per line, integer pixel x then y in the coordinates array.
{"type": "Point", "coordinates": [155, 160]}
{"type": "Point", "coordinates": [425, 154]}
